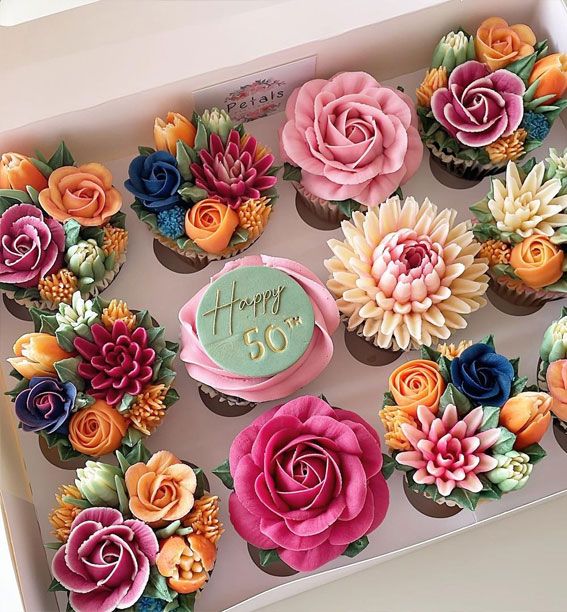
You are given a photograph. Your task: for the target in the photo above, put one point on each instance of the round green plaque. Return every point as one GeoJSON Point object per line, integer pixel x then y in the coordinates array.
{"type": "Point", "coordinates": [255, 321]}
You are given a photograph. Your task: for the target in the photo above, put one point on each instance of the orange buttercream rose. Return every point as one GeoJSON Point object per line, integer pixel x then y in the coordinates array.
{"type": "Point", "coordinates": [211, 224]}
{"type": "Point", "coordinates": [528, 416]}
{"type": "Point", "coordinates": [175, 127]}
{"type": "Point", "coordinates": [552, 74]}
{"type": "Point", "coordinates": [498, 44]}
{"type": "Point", "coordinates": [417, 383]}
{"type": "Point", "coordinates": [85, 194]}
{"type": "Point", "coordinates": [36, 355]}
{"type": "Point", "coordinates": [97, 429]}
{"type": "Point", "coordinates": [557, 383]}
{"type": "Point", "coordinates": [537, 261]}
{"type": "Point", "coordinates": [17, 172]}
{"type": "Point", "coordinates": [161, 489]}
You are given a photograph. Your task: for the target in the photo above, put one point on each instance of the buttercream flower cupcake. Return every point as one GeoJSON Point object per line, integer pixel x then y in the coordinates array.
{"type": "Point", "coordinates": [348, 143]}
{"type": "Point", "coordinates": [522, 225]}
{"type": "Point", "coordinates": [552, 373]}
{"type": "Point", "coordinates": [148, 523]}
{"type": "Point", "coordinates": [93, 377]}
{"type": "Point", "coordinates": [207, 190]}
{"type": "Point", "coordinates": [405, 274]}
{"type": "Point", "coordinates": [61, 226]}
{"type": "Point", "coordinates": [259, 331]}
{"type": "Point", "coordinates": [489, 98]}
{"type": "Point", "coordinates": [463, 426]}
{"type": "Point", "coordinates": [307, 483]}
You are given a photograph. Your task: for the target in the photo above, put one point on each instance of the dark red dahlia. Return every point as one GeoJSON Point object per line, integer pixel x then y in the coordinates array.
{"type": "Point", "coordinates": [232, 172]}
{"type": "Point", "coordinates": [116, 362]}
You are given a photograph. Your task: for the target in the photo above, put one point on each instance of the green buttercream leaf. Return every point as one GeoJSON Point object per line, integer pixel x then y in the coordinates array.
{"type": "Point", "coordinates": [170, 397]}
{"type": "Point", "coordinates": [149, 218]}
{"type": "Point", "coordinates": [223, 472]}
{"type": "Point", "coordinates": [145, 151]}
{"type": "Point", "coordinates": [118, 220]}
{"type": "Point", "coordinates": [131, 439]}
{"type": "Point", "coordinates": [144, 319]}
{"type": "Point", "coordinates": [523, 67]}
{"type": "Point", "coordinates": [503, 270]}
{"type": "Point", "coordinates": [122, 461]}
{"type": "Point", "coordinates": [515, 363]}
{"type": "Point", "coordinates": [191, 193]}
{"type": "Point", "coordinates": [488, 340]}
{"type": "Point", "coordinates": [61, 157]}
{"type": "Point", "coordinates": [268, 556]}
{"type": "Point", "coordinates": [482, 212]}
{"type": "Point", "coordinates": [505, 443]}
{"type": "Point", "coordinates": [65, 337]}
{"type": "Point", "coordinates": [168, 530]}
{"type": "Point", "coordinates": [356, 547]}
{"type": "Point", "coordinates": [67, 371]}
{"type": "Point", "coordinates": [465, 499]}
{"type": "Point", "coordinates": [123, 504]}
{"type": "Point", "coordinates": [201, 482]}
{"type": "Point", "coordinates": [56, 586]}
{"type": "Point", "coordinates": [560, 286]}
{"type": "Point", "coordinates": [388, 466]}
{"type": "Point", "coordinates": [388, 399]}
{"type": "Point", "coordinates": [166, 376]}
{"type": "Point", "coordinates": [34, 194]}
{"type": "Point", "coordinates": [16, 195]}
{"type": "Point", "coordinates": [184, 160]}
{"type": "Point", "coordinates": [53, 545]}
{"type": "Point", "coordinates": [291, 173]}
{"type": "Point", "coordinates": [535, 452]}
{"type": "Point", "coordinates": [126, 403]}
{"type": "Point", "coordinates": [429, 353]}
{"type": "Point", "coordinates": [347, 207]}
{"type": "Point", "coordinates": [43, 167]}
{"type": "Point", "coordinates": [79, 503]}
{"type": "Point", "coordinates": [240, 236]}
{"type": "Point", "coordinates": [519, 385]}
{"type": "Point", "coordinates": [47, 323]}
{"type": "Point", "coordinates": [490, 417]}
{"type": "Point", "coordinates": [23, 383]}
{"type": "Point", "coordinates": [445, 368]}
{"type": "Point", "coordinates": [156, 587]}
{"type": "Point", "coordinates": [156, 338]}
{"type": "Point", "coordinates": [489, 490]}
{"type": "Point", "coordinates": [530, 145]}
{"type": "Point", "coordinates": [453, 396]}
{"type": "Point", "coordinates": [186, 603]}
{"type": "Point", "coordinates": [201, 137]}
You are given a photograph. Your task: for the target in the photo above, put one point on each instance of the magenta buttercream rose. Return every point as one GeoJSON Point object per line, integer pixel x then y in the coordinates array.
{"type": "Point", "coordinates": [351, 137]}
{"type": "Point", "coordinates": [478, 106]}
{"type": "Point", "coordinates": [32, 245]}
{"type": "Point", "coordinates": [105, 563]}
{"type": "Point", "coordinates": [307, 482]}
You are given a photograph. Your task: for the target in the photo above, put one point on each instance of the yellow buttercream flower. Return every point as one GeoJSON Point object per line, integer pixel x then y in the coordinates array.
{"type": "Point", "coordinates": [453, 350]}
{"type": "Point", "coordinates": [118, 310]}
{"type": "Point", "coordinates": [434, 79]}
{"type": "Point", "coordinates": [58, 288]}
{"type": "Point", "coordinates": [148, 409]}
{"type": "Point", "coordinates": [530, 206]}
{"type": "Point", "coordinates": [253, 216]}
{"type": "Point", "coordinates": [63, 516]}
{"type": "Point", "coordinates": [115, 240]}
{"type": "Point", "coordinates": [496, 251]}
{"type": "Point", "coordinates": [507, 148]}
{"type": "Point", "coordinates": [204, 518]}
{"type": "Point", "coordinates": [393, 417]}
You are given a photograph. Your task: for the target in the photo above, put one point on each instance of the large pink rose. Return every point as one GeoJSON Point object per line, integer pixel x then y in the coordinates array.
{"type": "Point", "coordinates": [478, 106]}
{"type": "Point", "coordinates": [307, 482]}
{"type": "Point", "coordinates": [351, 137]}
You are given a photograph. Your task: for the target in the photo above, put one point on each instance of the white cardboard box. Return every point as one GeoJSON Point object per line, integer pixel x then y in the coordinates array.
{"type": "Point", "coordinates": [107, 108]}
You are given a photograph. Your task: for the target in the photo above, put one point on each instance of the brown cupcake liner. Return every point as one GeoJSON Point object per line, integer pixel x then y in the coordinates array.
{"type": "Point", "coordinates": [98, 287]}
{"type": "Point", "coordinates": [516, 292]}
{"type": "Point", "coordinates": [463, 168]}
{"type": "Point", "coordinates": [323, 209]}
{"type": "Point", "coordinates": [223, 404]}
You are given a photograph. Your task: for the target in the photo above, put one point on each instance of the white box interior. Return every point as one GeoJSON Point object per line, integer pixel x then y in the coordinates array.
{"type": "Point", "coordinates": [110, 133]}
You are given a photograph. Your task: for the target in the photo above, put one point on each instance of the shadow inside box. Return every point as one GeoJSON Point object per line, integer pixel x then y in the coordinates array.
{"type": "Point", "coordinates": [368, 353]}
{"type": "Point", "coordinates": [17, 310]}
{"type": "Point", "coordinates": [307, 213]}
{"type": "Point", "coordinates": [560, 433]}
{"type": "Point", "coordinates": [176, 262]}
{"type": "Point", "coordinates": [224, 405]}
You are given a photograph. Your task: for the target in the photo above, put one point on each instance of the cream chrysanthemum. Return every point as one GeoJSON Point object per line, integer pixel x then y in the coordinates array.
{"type": "Point", "coordinates": [528, 207]}
{"type": "Point", "coordinates": [405, 274]}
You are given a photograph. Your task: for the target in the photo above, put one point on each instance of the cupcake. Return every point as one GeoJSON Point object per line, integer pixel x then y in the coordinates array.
{"type": "Point", "coordinates": [259, 331]}
{"type": "Point", "coordinates": [489, 98]}
{"type": "Point", "coordinates": [139, 535]}
{"type": "Point", "coordinates": [406, 275]}
{"type": "Point", "coordinates": [522, 226]}
{"type": "Point", "coordinates": [307, 483]}
{"type": "Point", "coordinates": [207, 190]}
{"type": "Point", "coordinates": [93, 377]}
{"type": "Point", "coordinates": [348, 143]}
{"type": "Point", "coordinates": [61, 226]}
{"type": "Point", "coordinates": [462, 424]}
{"type": "Point", "coordinates": [552, 371]}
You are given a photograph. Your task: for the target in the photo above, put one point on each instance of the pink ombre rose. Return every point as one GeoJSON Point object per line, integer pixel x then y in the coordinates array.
{"type": "Point", "coordinates": [32, 246]}
{"type": "Point", "coordinates": [448, 451]}
{"type": "Point", "coordinates": [105, 563]}
{"type": "Point", "coordinates": [478, 106]}
{"type": "Point", "coordinates": [307, 482]}
{"type": "Point", "coordinates": [351, 137]}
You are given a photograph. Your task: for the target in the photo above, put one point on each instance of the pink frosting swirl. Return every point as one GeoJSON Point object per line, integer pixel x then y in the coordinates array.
{"type": "Point", "coordinates": [351, 137]}
{"type": "Point", "coordinates": [264, 389]}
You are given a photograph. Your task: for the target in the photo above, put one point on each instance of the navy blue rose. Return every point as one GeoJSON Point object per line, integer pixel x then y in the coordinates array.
{"type": "Point", "coordinates": [46, 405]}
{"type": "Point", "coordinates": [483, 375]}
{"type": "Point", "coordinates": [154, 180]}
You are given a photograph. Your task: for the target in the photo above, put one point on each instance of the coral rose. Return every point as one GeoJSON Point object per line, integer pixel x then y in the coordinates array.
{"type": "Point", "coordinates": [527, 415]}
{"type": "Point", "coordinates": [18, 172]}
{"type": "Point", "coordinates": [557, 383]}
{"type": "Point", "coordinates": [161, 489]}
{"type": "Point", "coordinates": [351, 137]}
{"type": "Point", "coordinates": [417, 383]}
{"type": "Point", "coordinates": [84, 194]}
{"type": "Point", "coordinates": [175, 127]}
{"type": "Point", "coordinates": [211, 224]}
{"type": "Point", "coordinates": [552, 74]}
{"type": "Point", "coordinates": [537, 261]}
{"type": "Point", "coordinates": [97, 429]}
{"type": "Point", "coordinates": [36, 355]}
{"type": "Point", "coordinates": [498, 44]}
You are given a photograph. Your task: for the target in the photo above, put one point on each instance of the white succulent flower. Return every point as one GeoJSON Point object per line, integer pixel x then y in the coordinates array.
{"type": "Point", "coordinates": [528, 207]}
{"type": "Point", "coordinates": [79, 315]}
{"type": "Point", "coordinates": [557, 161]}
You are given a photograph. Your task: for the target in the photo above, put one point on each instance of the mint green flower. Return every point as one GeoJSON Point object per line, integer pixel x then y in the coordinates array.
{"type": "Point", "coordinates": [512, 472]}
{"type": "Point", "coordinates": [97, 483]}
{"type": "Point", "coordinates": [87, 261]}
{"type": "Point", "coordinates": [452, 50]}
{"type": "Point", "coordinates": [554, 344]}
{"type": "Point", "coordinates": [217, 122]}
{"type": "Point", "coordinates": [76, 317]}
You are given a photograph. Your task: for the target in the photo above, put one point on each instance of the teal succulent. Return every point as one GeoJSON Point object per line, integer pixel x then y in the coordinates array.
{"type": "Point", "coordinates": [100, 483]}
{"type": "Point", "coordinates": [217, 122]}
{"type": "Point", "coordinates": [453, 49]}
{"type": "Point", "coordinates": [512, 472]}
{"type": "Point", "coordinates": [87, 261]}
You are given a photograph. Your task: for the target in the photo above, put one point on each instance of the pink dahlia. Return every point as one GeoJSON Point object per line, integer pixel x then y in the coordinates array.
{"type": "Point", "coordinates": [448, 451]}
{"type": "Point", "coordinates": [116, 362]}
{"type": "Point", "coordinates": [307, 482]}
{"type": "Point", "coordinates": [478, 106]}
{"type": "Point", "coordinates": [351, 137]}
{"type": "Point", "coordinates": [233, 172]}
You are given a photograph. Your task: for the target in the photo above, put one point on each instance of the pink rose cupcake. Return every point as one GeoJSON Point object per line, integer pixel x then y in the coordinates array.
{"type": "Point", "coordinates": [348, 143]}
{"type": "Point", "coordinates": [307, 484]}
{"type": "Point", "coordinates": [259, 331]}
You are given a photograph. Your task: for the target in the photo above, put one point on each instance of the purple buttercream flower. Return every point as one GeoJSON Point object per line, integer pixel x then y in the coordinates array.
{"type": "Point", "coordinates": [46, 405]}
{"type": "Point", "coordinates": [32, 246]}
{"type": "Point", "coordinates": [106, 561]}
{"type": "Point", "coordinates": [478, 106]}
